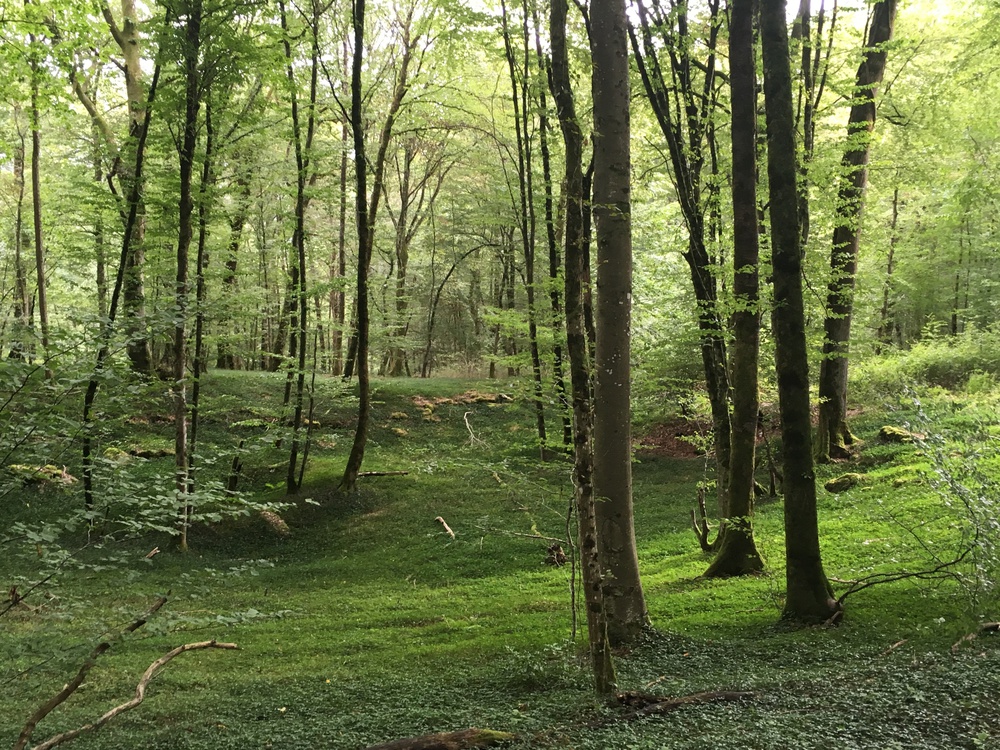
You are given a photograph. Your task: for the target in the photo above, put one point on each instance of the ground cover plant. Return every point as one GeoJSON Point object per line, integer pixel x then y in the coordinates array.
{"type": "Point", "coordinates": [367, 621]}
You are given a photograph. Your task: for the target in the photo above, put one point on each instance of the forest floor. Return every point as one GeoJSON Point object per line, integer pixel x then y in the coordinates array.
{"type": "Point", "coordinates": [368, 622]}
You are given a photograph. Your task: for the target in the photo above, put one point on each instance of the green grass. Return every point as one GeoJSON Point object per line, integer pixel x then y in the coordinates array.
{"type": "Point", "coordinates": [369, 623]}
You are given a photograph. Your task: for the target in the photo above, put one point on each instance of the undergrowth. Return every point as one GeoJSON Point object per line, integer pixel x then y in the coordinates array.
{"type": "Point", "coordinates": [369, 622]}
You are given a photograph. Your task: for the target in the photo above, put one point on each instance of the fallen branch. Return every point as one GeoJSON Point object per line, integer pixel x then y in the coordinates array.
{"type": "Point", "coordinates": [140, 693]}
{"type": "Point", "coordinates": [447, 528]}
{"type": "Point", "coordinates": [71, 687]}
{"type": "Point", "coordinates": [540, 537]}
{"type": "Point", "coordinates": [986, 627]}
{"type": "Point", "coordinates": [896, 645]}
{"type": "Point", "coordinates": [473, 440]}
{"type": "Point", "coordinates": [382, 473]}
{"type": "Point", "coordinates": [652, 705]}
{"type": "Point", "coordinates": [465, 739]}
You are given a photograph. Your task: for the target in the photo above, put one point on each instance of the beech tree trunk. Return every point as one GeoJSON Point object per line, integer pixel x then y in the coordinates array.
{"type": "Point", "coordinates": [367, 210]}
{"type": "Point", "coordinates": [809, 597]}
{"type": "Point", "coordinates": [834, 437]}
{"type": "Point", "coordinates": [189, 142]}
{"type": "Point", "coordinates": [684, 108]}
{"type": "Point", "coordinates": [738, 553]}
{"type": "Point", "coordinates": [579, 360]}
{"type": "Point", "coordinates": [623, 596]}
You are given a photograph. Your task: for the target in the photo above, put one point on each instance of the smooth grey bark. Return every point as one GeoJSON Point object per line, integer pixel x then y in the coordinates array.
{"type": "Point", "coordinates": [809, 597]}
{"type": "Point", "coordinates": [579, 360]}
{"type": "Point", "coordinates": [738, 553]}
{"type": "Point", "coordinates": [623, 595]}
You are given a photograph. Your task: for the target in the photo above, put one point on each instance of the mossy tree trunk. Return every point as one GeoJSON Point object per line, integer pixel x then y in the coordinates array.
{"type": "Point", "coordinates": [834, 436]}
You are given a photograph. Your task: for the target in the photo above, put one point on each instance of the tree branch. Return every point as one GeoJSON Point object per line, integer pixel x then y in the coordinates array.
{"type": "Point", "coordinates": [140, 693]}
{"type": "Point", "coordinates": [71, 687]}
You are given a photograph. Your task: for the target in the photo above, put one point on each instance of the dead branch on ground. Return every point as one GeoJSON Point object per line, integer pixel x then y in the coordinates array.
{"type": "Point", "coordinates": [71, 687]}
{"type": "Point", "coordinates": [140, 694]}
{"type": "Point", "coordinates": [986, 627]}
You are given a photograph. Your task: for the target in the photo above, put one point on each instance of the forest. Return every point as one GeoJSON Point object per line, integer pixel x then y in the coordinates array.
{"type": "Point", "coordinates": [423, 374]}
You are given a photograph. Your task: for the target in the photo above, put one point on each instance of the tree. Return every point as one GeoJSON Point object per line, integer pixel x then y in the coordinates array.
{"type": "Point", "coordinates": [809, 597]}
{"type": "Point", "coordinates": [576, 345]}
{"type": "Point", "coordinates": [684, 98]}
{"type": "Point", "coordinates": [190, 58]}
{"type": "Point", "coordinates": [833, 435]}
{"type": "Point", "coordinates": [410, 37]}
{"type": "Point", "coordinates": [738, 553]}
{"type": "Point", "coordinates": [519, 83]}
{"type": "Point", "coordinates": [623, 596]}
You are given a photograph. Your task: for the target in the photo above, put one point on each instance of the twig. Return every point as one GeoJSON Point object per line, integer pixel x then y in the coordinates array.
{"type": "Point", "coordinates": [542, 537]}
{"type": "Point", "coordinates": [473, 440]}
{"type": "Point", "coordinates": [140, 693]}
{"type": "Point", "coordinates": [701, 526]}
{"type": "Point", "coordinates": [382, 473]}
{"type": "Point", "coordinates": [986, 627]}
{"type": "Point", "coordinates": [71, 687]}
{"type": "Point", "coordinates": [447, 528]}
{"type": "Point", "coordinates": [896, 645]}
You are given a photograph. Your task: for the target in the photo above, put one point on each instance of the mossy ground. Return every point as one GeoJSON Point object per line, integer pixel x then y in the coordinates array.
{"type": "Point", "coordinates": [368, 622]}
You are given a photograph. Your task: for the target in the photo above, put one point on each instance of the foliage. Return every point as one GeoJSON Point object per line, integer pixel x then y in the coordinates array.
{"type": "Point", "coordinates": [970, 360]}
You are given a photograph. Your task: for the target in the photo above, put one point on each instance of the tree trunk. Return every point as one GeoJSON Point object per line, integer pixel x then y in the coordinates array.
{"type": "Point", "coordinates": [526, 223]}
{"type": "Point", "coordinates": [303, 154]}
{"type": "Point", "coordinates": [623, 597]}
{"type": "Point", "coordinates": [131, 217]}
{"type": "Point", "coordinates": [338, 296]}
{"type": "Point", "coordinates": [576, 345]}
{"type": "Point", "coordinates": [550, 235]}
{"type": "Point", "coordinates": [738, 553]}
{"type": "Point", "coordinates": [834, 437]}
{"type": "Point", "coordinates": [198, 364]}
{"type": "Point", "coordinates": [367, 210]}
{"type": "Point", "coordinates": [128, 38]}
{"type": "Point", "coordinates": [885, 326]}
{"type": "Point", "coordinates": [22, 302]}
{"type": "Point", "coordinates": [192, 101]}
{"type": "Point", "coordinates": [809, 597]}
{"type": "Point", "coordinates": [36, 204]}
{"type": "Point", "coordinates": [227, 358]}
{"type": "Point", "coordinates": [684, 110]}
